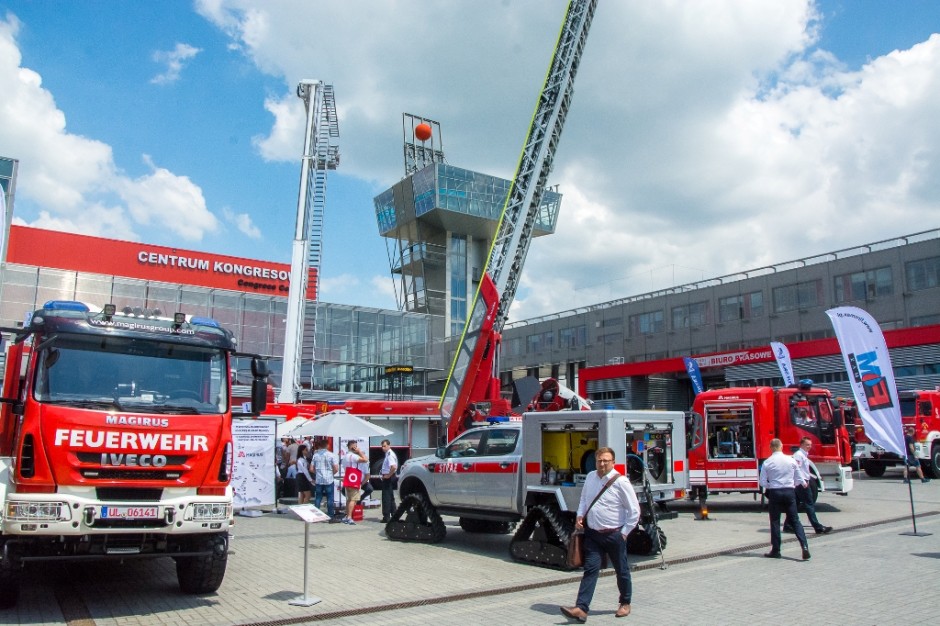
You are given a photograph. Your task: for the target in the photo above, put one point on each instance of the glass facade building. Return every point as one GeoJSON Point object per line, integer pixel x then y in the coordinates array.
{"type": "Point", "coordinates": [440, 222]}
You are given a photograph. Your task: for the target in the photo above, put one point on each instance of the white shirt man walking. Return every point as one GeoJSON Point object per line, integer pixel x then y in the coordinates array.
{"type": "Point", "coordinates": [607, 515]}
{"type": "Point", "coordinates": [778, 477]}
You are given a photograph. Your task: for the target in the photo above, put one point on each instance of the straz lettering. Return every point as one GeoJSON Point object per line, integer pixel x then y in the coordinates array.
{"type": "Point", "coordinates": [115, 439]}
{"type": "Point", "coordinates": [136, 460]}
{"type": "Point", "coordinates": [865, 370]}
{"type": "Point", "coordinates": [134, 420]}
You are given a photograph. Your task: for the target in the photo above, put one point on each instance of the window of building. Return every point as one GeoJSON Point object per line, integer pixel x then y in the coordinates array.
{"type": "Point", "coordinates": [646, 323]}
{"type": "Point", "coordinates": [458, 283]}
{"type": "Point", "coordinates": [925, 320]}
{"type": "Point", "coordinates": [742, 307]}
{"type": "Point", "coordinates": [863, 285]}
{"type": "Point", "coordinates": [574, 337]}
{"type": "Point", "coordinates": [922, 274]}
{"type": "Point", "coordinates": [689, 315]}
{"type": "Point", "coordinates": [533, 343]}
{"type": "Point", "coordinates": [799, 296]}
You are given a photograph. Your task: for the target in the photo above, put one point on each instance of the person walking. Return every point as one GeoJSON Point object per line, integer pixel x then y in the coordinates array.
{"type": "Point", "coordinates": [912, 462]}
{"type": "Point", "coordinates": [804, 494]}
{"type": "Point", "coordinates": [389, 469]}
{"type": "Point", "coordinates": [778, 477]}
{"type": "Point", "coordinates": [608, 511]}
{"type": "Point", "coordinates": [325, 467]}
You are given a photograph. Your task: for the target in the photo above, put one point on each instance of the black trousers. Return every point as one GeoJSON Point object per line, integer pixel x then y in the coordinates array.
{"type": "Point", "coordinates": [783, 501]}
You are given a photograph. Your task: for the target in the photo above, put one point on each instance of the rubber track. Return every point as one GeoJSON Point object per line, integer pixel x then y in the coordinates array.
{"type": "Point", "coordinates": [421, 523]}
{"type": "Point", "coordinates": [550, 547]}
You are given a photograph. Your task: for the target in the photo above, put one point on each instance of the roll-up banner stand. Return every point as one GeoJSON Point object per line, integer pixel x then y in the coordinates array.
{"type": "Point", "coordinates": [254, 466]}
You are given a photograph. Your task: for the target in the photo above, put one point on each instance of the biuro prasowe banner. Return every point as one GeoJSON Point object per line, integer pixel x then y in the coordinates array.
{"type": "Point", "coordinates": [869, 368]}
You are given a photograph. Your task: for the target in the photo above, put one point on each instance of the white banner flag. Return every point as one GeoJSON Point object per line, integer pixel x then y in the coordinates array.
{"type": "Point", "coordinates": [869, 368]}
{"type": "Point", "coordinates": [782, 354]}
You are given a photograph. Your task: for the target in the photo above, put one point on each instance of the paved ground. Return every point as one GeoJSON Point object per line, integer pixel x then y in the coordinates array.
{"type": "Point", "coordinates": [866, 572]}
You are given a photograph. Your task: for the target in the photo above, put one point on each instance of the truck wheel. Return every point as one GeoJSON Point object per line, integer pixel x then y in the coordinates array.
{"type": "Point", "coordinates": [873, 469]}
{"type": "Point", "coordinates": [933, 465]}
{"type": "Point", "coordinates": [10, 570]}
{"type": "Point", "coordinates": [640, 542]}
{"type": "Point", "coordinates": [203, 574]}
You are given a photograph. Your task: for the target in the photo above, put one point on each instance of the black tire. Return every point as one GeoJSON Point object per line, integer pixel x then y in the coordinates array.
{"type": "Point", "coordinates": [659, 541]}
{"type": "Point", "coordinates": [10, 571]}
{"type": "Point", "coordinates": [932, 469]}
{"type": "Point", "coordinates": [203, 574]}
{"type": "Point", "coordinates": [873, 469]}
{"type": "Point", "coordinates": [640, 542]}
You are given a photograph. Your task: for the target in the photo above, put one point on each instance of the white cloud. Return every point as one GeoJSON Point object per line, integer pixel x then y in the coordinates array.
{"type": "Point", "coordinates": [170, 201]}
{"type": "Point", "coordinates": [174, 60]}
{"type": "Point", "coordinates": [242, 222]}
{"type": "Point", "coordinates": [73, 181]}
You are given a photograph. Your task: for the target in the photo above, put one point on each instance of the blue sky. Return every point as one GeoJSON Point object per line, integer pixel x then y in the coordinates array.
{"type": "Point", "coordinates": [704, 137]}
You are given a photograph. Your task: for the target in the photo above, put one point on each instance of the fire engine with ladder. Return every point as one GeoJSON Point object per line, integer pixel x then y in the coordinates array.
{"type": "Point", "coordinates": [530, 469]}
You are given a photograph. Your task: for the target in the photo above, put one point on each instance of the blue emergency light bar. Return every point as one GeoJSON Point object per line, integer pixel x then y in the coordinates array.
{"type": "Point", "coordinates": [66, 305]}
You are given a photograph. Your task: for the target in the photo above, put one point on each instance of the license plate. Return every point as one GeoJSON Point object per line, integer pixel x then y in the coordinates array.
{"type": "Point", "coordinates": [129, 512]}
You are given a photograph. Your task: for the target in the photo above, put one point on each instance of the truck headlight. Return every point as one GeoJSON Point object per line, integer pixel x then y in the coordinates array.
{"type": "Point", "coordinates": [208, 511]}
{"type": "Point", "coordinates": [25, 511]}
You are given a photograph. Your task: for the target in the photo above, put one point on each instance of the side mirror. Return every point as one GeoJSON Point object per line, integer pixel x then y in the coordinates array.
{"type": "Point", "coordinates": [259, 395]}
{"type": "Point", "coordinates": [259, 367]}
{"type": "Point", "coordinates": [439, 453]}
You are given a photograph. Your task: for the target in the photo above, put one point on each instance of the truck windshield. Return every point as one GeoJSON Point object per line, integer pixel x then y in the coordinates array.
{"type": "Point", "coordinates": [130, 375]}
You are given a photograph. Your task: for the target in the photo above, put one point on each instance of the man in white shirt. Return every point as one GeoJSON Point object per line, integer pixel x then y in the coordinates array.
{"type": "Point", "coordinates": [607, 514]}
{"type": "Point", "coordinates": [389, 469]}
{"type": "Point", "coordinates": [804, 494]}
{"type": "Point", "coordinates": [778, 476]}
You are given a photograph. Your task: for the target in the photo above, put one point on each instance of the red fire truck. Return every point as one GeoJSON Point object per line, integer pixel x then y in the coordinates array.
{"type": "Point", "coordinates": [730, 431]}
{"type": "Point", "coordinates": [116, 441]}
{"type": "Point", "coordinates": [920, 409]}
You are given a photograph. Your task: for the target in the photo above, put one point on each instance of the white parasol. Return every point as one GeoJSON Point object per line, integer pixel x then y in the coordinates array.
{"type": "Point", "coordinates": [339, 423]}
{"type": "Point", "coordinates": [284, 428]}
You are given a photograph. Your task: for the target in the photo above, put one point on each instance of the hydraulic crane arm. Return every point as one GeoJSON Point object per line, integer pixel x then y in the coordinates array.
{"type": "Point", "coordinates": [472, 388]}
